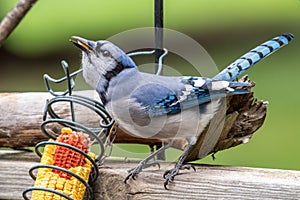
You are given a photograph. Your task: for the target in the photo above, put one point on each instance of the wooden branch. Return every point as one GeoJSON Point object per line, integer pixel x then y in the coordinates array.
{"type": "Point", "coordinates": [208, 182]}
{"type": "Point", "coordinates": [21, 117]}
{"type": "Point", "coordinates": [13, 18]}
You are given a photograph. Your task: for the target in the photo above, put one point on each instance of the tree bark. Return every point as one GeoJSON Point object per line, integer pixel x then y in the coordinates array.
{"type": "Point", "coordinates": [13, 18]}
{"type": "Point", "coordinates": [22, 114]}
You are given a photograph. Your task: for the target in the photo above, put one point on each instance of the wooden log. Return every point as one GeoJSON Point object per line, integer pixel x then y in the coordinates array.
{"type": "Point", "coordinates": [208, 182]}
{"type": "Point", "coordinates": [22, 114]}
{"type": "Point", "coordinates": [20, 118]}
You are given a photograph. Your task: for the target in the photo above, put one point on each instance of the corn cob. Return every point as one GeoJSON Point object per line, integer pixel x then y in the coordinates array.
{"type": "Point", "coordinates": [68, 159]}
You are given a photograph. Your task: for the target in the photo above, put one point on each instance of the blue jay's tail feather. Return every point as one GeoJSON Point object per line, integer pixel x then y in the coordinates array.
{"type": "Point", "coordinates": [249, 59]}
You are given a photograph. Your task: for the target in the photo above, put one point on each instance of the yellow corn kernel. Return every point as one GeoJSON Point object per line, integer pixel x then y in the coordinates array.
{"type": "Point", "coordinates": [59, 186]}
{"type": "Point", "coordinates": [68, 159]}
{"type": "Point", "coordinates": [66, 130]}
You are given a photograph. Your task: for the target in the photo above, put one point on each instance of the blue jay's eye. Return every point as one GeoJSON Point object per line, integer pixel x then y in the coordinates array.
{"type": "Point", "coordinates": [106, 53]}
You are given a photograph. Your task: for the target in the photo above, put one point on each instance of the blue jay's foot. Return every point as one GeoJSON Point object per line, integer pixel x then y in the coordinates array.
{"type": "Point", "coordinates": [144, 163]}
{"type": "Point", "coordinates": [135, 171]}
{"type": "Point", "coordinates": [169, 175]}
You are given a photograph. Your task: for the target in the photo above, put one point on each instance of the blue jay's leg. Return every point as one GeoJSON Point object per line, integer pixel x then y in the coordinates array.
{"type": "Point", "coordinates": [144, 163]}
{"type": "Point", "coordinates": [159, 156]}
{"type": "Point", "coordinates": [169, 175]}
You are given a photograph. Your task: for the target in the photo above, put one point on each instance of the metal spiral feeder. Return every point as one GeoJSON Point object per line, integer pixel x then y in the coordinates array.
{"type": "Point", "coordinates": [101, 135]}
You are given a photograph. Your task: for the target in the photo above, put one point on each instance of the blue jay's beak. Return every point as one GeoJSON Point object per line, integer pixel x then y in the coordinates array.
{"type": "Point", "coordinates": [83, 44]}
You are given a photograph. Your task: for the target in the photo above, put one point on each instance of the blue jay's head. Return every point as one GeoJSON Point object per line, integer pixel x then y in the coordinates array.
{"type": "Point", "coordinates": [101, 59]}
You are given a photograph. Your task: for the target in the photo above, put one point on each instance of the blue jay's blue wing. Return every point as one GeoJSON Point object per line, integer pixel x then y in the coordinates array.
{"type": "Point", "coordinates": [194, 91]}
{"type": "Point", "coordinates": [255, 55]}
{"type": "Point", "coordinates": [198, 91]}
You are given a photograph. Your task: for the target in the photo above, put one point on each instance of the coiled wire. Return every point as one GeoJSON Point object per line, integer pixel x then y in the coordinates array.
{"type": "Point", "coordinates": [100, 136]}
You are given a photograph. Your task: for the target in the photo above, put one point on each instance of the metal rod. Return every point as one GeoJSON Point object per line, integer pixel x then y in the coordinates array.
{"type": "Point", "coordinates": [70, 80]}
{"type": "Point", "coordinates": [159, 34]}
{"type": "Point", "coordinates": [158, 23]}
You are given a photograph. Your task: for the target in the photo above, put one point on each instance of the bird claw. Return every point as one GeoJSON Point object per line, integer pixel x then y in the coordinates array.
{"type": "Point", "coordinates": [136, 170]}
{"type": "Point", "coordinates": [169, 175]}
{"type": "Point", "coordinates": [133, 173]}
{"type": "Point", "coordinates": [188, 167]}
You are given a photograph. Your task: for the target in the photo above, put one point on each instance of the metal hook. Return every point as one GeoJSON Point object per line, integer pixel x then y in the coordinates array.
{"type": "Point", "coordinates": [68, 77]}
{"type": "Point", "coordinates": [160, 59]}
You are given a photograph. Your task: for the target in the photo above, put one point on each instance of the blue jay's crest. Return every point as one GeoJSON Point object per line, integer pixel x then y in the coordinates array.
{"type": "Point", "coordinates": [126, 61]}
{"type": "Point", "coordinates": [101, 62]}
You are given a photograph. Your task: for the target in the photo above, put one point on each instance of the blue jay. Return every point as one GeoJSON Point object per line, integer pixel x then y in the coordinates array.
{"type": "Point", "coordinates": [163, 107]}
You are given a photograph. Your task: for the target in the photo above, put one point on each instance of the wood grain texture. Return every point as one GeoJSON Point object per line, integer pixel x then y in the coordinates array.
{"type": "Point", "coordinates": [21, 117]}
{"type": "Point", "coordinates": [208, 182]}
{"type": "Point", "coordinates": [22, 114]}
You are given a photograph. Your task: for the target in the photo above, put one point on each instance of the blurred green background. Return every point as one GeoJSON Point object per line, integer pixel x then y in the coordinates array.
{"type": "Point", "coordinates": [226, 29]}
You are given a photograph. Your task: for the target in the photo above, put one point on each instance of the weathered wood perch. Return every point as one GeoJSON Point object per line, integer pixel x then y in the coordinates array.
{"type": "Point", "coordinates": [21, 117]}
{"type": "Point", "coordinates": [208, 182]}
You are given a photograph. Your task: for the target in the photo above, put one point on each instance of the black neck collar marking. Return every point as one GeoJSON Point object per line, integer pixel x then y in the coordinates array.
{"type": "Point", "coordinates": [108, 76]}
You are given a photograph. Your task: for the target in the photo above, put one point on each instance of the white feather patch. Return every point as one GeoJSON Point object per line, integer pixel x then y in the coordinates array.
{"type": "Point", "coordinates": [199, 82]}
{"type": "Point", "coordinates": [188, 88]}
{"type": "Point", "coordinates": [184, 95]}
{"type": "Point", "coordinates": [219, 85]}
{"type": "Point", "coordinates": [229, 89]}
